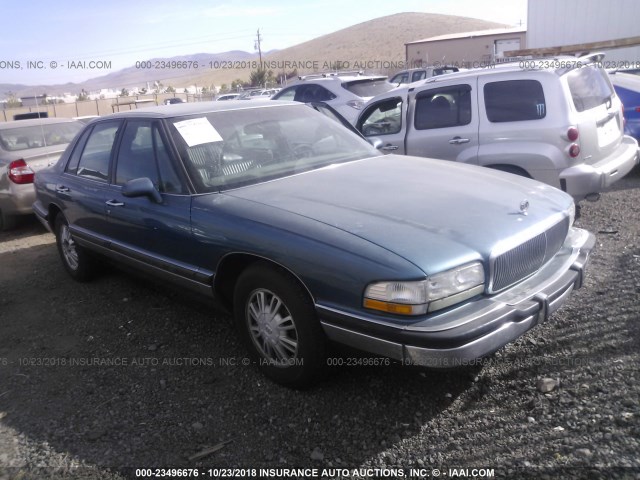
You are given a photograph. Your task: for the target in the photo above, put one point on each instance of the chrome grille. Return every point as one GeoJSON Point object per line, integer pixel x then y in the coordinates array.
{"type": "Point", "coordinates": [525, 259]}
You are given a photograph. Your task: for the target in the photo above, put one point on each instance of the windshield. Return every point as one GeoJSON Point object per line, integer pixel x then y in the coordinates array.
{"type": "Point", "coordinates": [37, 136]}
{"type": "Point", "coordinates": [368, 88]}
{"type": "Point", "coordinates": [224, 150]}
{"type": "Point", "coordinates": [589, 87]}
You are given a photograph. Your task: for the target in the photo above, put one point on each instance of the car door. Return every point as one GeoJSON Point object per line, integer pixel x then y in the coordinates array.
{"type": "Point", "coordinates": [83, 187]}
{"type": "Point", "coordinates": [383, 123]}
{"type": "Point", "coordinates": [154, 231]}
{"type": "Point", "coordinates": [443, 122]}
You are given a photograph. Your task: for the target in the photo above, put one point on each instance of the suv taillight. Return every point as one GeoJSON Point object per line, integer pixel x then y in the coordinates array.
{"type": "Point", "coordinates": [572, 134]}
{"type": "Point", "coordinates": [574, 150]}
{"type": "Point", "coordinates": [20, 172]}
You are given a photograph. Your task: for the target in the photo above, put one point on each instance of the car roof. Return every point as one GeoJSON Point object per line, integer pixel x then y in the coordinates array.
{"type": "Point", "coordinates": [334, 78]}
{"type": "Point", "coordinates": [34, 122]}
{"type": "Point", "coordinates": [543, 66]}
{"type": "Point", "coordinates": [194, 108]}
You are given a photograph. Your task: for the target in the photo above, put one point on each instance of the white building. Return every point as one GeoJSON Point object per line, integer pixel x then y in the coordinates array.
{"type": "Point", "coordinates": [553, 23]}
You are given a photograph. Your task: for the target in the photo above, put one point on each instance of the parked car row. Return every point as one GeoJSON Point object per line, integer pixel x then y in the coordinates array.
{"type": "Point", "coordinates": [416, 74]}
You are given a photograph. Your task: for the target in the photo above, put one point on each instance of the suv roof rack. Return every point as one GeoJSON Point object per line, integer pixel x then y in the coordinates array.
{"type": "Point", "coordinates": [331, 74]}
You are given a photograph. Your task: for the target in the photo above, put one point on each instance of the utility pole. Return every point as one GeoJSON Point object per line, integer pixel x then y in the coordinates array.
{"type": "Point", "coordinates": [256, 46]}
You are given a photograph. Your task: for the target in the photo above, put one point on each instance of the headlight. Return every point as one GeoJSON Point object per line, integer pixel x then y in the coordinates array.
{"type": "Point", "coordinates": [436, 292]}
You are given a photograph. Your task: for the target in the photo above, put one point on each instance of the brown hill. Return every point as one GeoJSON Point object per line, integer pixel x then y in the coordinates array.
{"type": "Point", "coordinates": [374, 43]}
{"type": "Point", "coordinates": [376, 46]}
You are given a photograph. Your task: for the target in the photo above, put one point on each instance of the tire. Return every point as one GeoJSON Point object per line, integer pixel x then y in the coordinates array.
{"type": "Point", "coordinates": [277, 321]}
{"type": "Point", "coordinates": [76, 260]}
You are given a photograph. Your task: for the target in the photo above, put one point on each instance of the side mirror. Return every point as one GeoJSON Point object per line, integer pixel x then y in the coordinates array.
{"type": "Point", "coordinates": [141, 187]}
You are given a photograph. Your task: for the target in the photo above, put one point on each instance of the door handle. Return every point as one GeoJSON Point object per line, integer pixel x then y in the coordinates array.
{"type": "Point", "coordinates": [458, 140]}
{"type": "Point", "coordinates": [389, 147]}
{"type": "Point", "coordinates": [115, 203]}
{"type": "Point", "coordinates": [62, 189]}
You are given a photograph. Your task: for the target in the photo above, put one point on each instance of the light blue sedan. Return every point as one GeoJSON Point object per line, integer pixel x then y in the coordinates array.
{"type": "Point", "coordinates": [309, 235]}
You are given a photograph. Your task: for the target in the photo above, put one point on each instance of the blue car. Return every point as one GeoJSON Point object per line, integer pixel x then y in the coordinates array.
{"type": "Point", "coordinates": [309, 235]}
{"type": "Point", "coordinates": [627, 87]}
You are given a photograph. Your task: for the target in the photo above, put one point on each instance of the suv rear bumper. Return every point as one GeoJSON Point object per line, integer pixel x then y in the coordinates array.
{"type": "Point", "coordinates": [477, 328]}
{"type": "Point", "coordinates": [581, 180]}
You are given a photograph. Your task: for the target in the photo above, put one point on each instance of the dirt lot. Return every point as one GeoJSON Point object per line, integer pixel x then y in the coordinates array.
{"type": "Point", "coordinates": [102, 378]}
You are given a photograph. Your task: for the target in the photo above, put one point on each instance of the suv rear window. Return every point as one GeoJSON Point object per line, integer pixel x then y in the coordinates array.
{"type": "Point", "coordinates": [368, 88]}
{"type": "Point", "coordinates": [589, 87]}
{"type": "Point", "coordinates": [514, 101]}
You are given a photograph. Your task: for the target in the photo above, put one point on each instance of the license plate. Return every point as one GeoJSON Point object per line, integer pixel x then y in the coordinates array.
{"type": "Point", "coordinates": [608, 132]}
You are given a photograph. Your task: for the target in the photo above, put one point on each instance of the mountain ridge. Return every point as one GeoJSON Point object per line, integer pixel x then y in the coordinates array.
{"type": "Point", "coordinates": [378, 40]}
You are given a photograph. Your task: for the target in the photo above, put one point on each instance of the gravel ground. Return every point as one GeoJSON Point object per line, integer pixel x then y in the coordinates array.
{"type": "Point", "coordinates": [99, 379]}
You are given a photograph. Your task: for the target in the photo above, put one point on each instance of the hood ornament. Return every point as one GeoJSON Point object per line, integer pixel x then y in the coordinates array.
{"type": "Point", "coordinates": [524, 207]}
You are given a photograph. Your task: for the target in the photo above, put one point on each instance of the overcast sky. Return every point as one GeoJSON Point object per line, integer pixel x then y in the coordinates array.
{"type": "Point", "coordinates": [122, 31]}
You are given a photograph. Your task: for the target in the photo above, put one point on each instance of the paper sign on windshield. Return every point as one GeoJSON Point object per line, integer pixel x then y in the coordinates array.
{"type": "Point", "coordinates": [197, 131]}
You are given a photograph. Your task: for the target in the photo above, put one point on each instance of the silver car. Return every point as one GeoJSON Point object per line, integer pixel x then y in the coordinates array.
{"type": "Point", "coordinates": [558, 121]}
{"type": "Point", "coordinates": [27, 146]}
{"type": "Point", "coordinates": [346, 92]}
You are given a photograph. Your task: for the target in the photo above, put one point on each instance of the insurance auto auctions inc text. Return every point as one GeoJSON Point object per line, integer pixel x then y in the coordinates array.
{"type": "Point", "coordinates": [355, 473]}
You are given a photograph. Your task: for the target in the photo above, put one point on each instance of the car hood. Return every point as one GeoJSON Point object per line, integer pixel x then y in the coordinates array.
{"type": "Point", "coordinates": [434, 213]}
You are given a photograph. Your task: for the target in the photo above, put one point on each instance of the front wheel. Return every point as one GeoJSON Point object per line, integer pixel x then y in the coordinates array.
{"type": "Point", "coordinates": [277, 321]}
{"type": "Point", "coordinates": [77, 262]}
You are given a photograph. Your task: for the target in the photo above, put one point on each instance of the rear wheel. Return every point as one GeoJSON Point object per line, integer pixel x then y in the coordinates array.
{"type": "Point", "coordinates": [76, 260]}
{"type": "Point", "coordinates": [277, 321]}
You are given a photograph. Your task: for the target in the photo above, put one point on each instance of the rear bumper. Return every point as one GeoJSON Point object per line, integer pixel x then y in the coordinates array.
{"type": "Point", "coordinates": [581, 180]}
{"type": "Point", "coordinates": [477, 328]}
{"type": "Point", "coordinates": [17, 199]}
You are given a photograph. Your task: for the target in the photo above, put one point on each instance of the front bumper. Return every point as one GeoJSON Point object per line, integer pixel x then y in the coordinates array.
{"type": "Point", "coordinates": [582, 180]}
{"type": "Point", "coordinates": [474, 329]}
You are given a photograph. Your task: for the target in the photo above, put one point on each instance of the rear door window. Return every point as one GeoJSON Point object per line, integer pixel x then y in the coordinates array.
{"type": "Point", "coordinates": [369, 87]}
{"type": "Point", "coordinates": [96, 156]}
{"type": "Point", "coordinates": [418, 75]}
{"type": "Point", "coordinates": [514, 101]}
{"type": "Point", "coordinates": [589, 87]}
{"type": "Point", "coordinates": [443, 107]}
{"type": "Point", "coordinates": [313, 93]}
